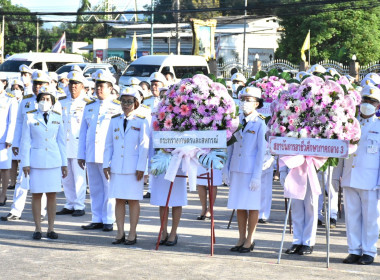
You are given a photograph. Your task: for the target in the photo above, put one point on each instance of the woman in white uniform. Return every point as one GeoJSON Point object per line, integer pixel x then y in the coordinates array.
{"type": "Point", "coordinates": [43, 157]}
{"type": "Point", "coordinates": [125, 159]}
{"type": "Point", "coordinates": [17, 90]}
{"type": "Point", "coordinates": [8, 116]}
{"type": "Point", "coordinates": [246, 167]}
{"type": "Point", "coordinates": [202, 190]}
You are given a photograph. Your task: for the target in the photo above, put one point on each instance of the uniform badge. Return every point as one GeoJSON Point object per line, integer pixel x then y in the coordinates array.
{"type": "Point", "coordinates": [135, 128]}
{"type": "Point", "coordinates": [116, 137]}
{"type": "Point", "coordinates": [37, 123]}
{"type": "Point", "coordinates": [27, 105]}
{"type": "Point", "coordinates": [251, 131]}
{"type": "Point", "coordinates": [116, 129]}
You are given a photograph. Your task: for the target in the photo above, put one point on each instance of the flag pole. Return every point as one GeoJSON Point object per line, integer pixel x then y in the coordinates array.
{"type": "Point", "coordinates": [309, 45]}
{"type": "Point", "coordinates": [2, 40]}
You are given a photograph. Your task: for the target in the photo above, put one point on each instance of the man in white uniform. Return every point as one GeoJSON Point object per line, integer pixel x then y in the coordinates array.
{"type": "Point", "coordinates": [28, 103]}
{"type": "Point", "coordinates": [74, 184]}
{"type": "Point", "coordinates": [361, 184]}
{"type": "Point", "coordinates": [238, 81]}
{"type": "Point", "coordinates": [157, 81]}
{"type": "Point", "coordinates": [96, 119]}
{"type": "Point", "coordinates": [26, 78]}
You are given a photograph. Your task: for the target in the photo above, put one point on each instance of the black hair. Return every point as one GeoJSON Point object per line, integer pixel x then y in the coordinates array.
{"type": "Point", "coordinates": [39, 96]}
{"type": "Point", "coordinates": [169, 73]}
{"type": "Point", "coordinates": [144, 83]}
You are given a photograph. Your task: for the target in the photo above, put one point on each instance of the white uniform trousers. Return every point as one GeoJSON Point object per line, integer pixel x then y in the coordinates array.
{"type": "Point", "coordinates": [102, 208]}
{"type": "Point", "coordinates": [305, 218]}
{"type": "Point", "coordinates": [266, 193]}
{"type": "Point", "coordinates": [74, 185]}
{"type": "Point", "coordinates": [361, 213]}
{"type": "Point", "coordinates": [20, 194]}
{"type": "Point", "coordinates": [334, 205]}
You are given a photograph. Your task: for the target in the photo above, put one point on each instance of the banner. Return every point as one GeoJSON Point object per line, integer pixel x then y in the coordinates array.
{"type": "Point", "coordinates": [133, 48]}
{"type": "Point", "coordinates": [60, 45]}
{"type": "Point", "coordinates": [308, 147]}
{"type": "Point", "coordinates": [203, 37]}
{"type": "Point", "coordinates": [305, 46]}
{"type": "Point", "coordinates": [200, 139]}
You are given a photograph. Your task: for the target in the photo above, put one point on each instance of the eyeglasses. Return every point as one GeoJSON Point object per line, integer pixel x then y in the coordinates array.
{"type": "Point", "coordinates": [127, 102]}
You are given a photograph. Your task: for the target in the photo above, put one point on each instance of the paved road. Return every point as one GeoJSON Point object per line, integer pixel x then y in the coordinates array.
{"type": "Point", "coordinates": [90, 254]}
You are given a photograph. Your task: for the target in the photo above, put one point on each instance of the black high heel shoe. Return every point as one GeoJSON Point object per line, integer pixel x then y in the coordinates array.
{"type": "Point", "coordinates": [4, 202]}
{"type": "Point", "coordinates": [131, 242]}
{"type": "Point", "coordinates": [120, 240]}
{"type": "Point", "coordinates": [163, 241]}
{"type": "Point", "coordinates": [172, 243]}
{"type": "Point", "coordinates": [247, 250]}
{"type": "Point", "coordinates": [236, 248]}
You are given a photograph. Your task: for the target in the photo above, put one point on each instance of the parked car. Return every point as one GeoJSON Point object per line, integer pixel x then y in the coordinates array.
{"type": "Point", "coordinates": [39, 61]}
{"type": "Point", "coordinates": [179, 65]}
{"type": "Point", "coordinates": [88, 68]}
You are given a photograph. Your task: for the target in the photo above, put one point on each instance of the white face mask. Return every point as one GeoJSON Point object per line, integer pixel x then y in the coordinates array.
{"type": "Point", "coordinates": [17, 93]}
{"type": "Point", "coordinates": [61, 85]}
{"type": "Point", "coordinates": [26, 80]}
{"type": "Point", "coordinates": [367, 109]}
{"type": "Point", "coordinates": [44, 106]}
{"type": "Point", "coordinates": [247, 107]}
{"type": "Point", "coordinates": [235, 87]}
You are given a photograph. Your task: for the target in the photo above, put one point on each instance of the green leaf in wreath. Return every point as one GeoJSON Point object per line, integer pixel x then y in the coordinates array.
{"type": "Point", "coordinates": [212, 77]}
{"type": "Point", "coordinates": [286, 76]}
{"type": "Point", "coordinates": [273, 72]}
{"type": "Point", "coordinates": [260, 74]}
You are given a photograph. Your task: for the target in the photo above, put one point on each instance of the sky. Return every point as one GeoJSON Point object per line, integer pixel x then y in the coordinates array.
{"type": "Point", "coordinates": [72, 6]}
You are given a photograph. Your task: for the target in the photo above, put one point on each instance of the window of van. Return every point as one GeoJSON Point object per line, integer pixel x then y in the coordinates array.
{"type": "Point", "coordinates": [180, 71]}
{"type": "Point", "coordinates": [37, 66]}
{"type": "Point", "coordinates": [13, 65]}
{"type": "Point", "coordinates": [66, 68]}
{"type": "Point", "coordinates": [53, 66]}
{"type": "Point", "coordinates": [141, 70]}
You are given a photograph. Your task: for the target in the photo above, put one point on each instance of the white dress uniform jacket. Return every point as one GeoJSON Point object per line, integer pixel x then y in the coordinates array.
{"type": "Point", "coordinates": [96, 120]}
{"type": "Point", "coordinates": [126, 152]}
{"type": "Point", "coordinates": [42, 144]}
{"type": "Point", "coordinates": [8, 116]}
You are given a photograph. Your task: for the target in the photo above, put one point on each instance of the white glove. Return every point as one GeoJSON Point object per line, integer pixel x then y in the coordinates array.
{"type": "Point", "coordinates": [255, 184]}
{"type": "Point", "coordinates": [335, 184]}
{"type": "Point", "coordinates": [283, 175]}
{"type": "Point", "coordinates": [268, 163]}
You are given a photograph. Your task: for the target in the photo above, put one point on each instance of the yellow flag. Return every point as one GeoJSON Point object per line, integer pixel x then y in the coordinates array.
{"type": "Point", "coordinates": [305, 46]}
{"type": "Point", "coordinates": [133, 48]}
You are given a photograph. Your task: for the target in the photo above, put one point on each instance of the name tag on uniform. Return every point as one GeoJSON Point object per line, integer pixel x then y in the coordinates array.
{"type": "Point", "coordinates": [135, 128]}
{"type": "Point", "coordinates": [55, 122]}
{"type": "Point", "coordinates": [375, 132]}
{"type": "Point", "coordinates": [372, 149]}
{"type": "Point", "coordinates": [251, 131]}
{"type": "Point", "coordinates": [90, 110]}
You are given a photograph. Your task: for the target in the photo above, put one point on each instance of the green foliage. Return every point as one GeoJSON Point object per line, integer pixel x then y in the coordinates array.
{"type": "Point", "coordinates": [335, 35]}
{"type": "Point", "coordinates": [329, 162]}
{"type": "Point", "coordinates": [260, 74]}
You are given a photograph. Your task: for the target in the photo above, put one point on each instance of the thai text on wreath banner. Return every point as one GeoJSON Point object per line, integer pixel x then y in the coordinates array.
{"type": "Point", "coordinates": [308, 147]}
{"type": "Point", "coordinates": [201, 139]}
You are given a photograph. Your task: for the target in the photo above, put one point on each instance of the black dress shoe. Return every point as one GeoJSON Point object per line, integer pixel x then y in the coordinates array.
{"type": "Point", "coordinates": [236, 248]}
{"type": "Point", "coordinates": [263, 221]}
{"type": "Point", "coordinates": [351, 258]}
{"type": "Point", "coordinates": [163, 241]}
{"type": "Point", "coordinates": [93, 226]}
{"type": "Point", "coordinates": [306, 250]}
{"type": "Point", "coordinates": [247, 250]}
{"type": "Point", "coordinates": [366, 259]}
{"type": "Point", "coordinates": [4, 202]}
{"type": "Point", "coordinates": [147, 195]}
{"type": "Point", "coordinates": [107, 227]}
{"type": "Point", "coordinates": [37, 235]}
{"type": "Point", "coordinates": [65, 211]}
{"type": "Point", "coordinates": [52, 235]}
{"type": "Point", "coordinates": [120, 240]}
{"type": "Point", "coordinates": [201, 217]}
{"type": "Point", "coordinates": [131, 242]}
{"type": "Point", "coordinates": [78, 213]}
{"type": "Point", "coordinates": [332, 223]}
{"type": "Point", "coordinates": [320, 223]}
{"type": "Point", "coordinates": [172, 243]}
{"type": "Point", "coordinates": [11, 187]}
{"type": "Point", "coordinates": [10, 217]}
{"type": "Point", "coordinates": [294, 249]}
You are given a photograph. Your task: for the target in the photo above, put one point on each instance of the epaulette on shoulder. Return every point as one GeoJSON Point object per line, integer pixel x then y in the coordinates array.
{"type": "Point", "coordinates": [145, 106]}
{"type": "Point", "coordinates": [60, 90]}
{"type": "Point", "coordinates": [27, 96]}
{"type": "Point", "coordinates": [147, 97]}
{"type": "Point", "coordinates": [140, 116]}
{"type": "Point", "coordinates": [116, 101]}
{"type": "Point", "coordinates": [261, 117]}
{"type": "Point", "coordinates": [62, 97]}
{"type": "Point", "coordinates": [58, 113]}
{"type": "Point", "coordinates": [29, 112]}
{"type": "Point", "coordinates": [115, 116]}
{"type": "Point", "coordinates": [89, 101]}
{"type": "Point", "coordinates": [10, 94]}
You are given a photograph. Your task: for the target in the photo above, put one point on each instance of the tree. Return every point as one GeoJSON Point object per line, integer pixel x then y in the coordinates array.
{"type": "Point", "coordinates": [335, 34]}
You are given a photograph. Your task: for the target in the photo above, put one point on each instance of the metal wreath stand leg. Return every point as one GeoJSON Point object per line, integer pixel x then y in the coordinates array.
{"type": "Point", "coordinates": [210, 184]}
{"type": "Point", "coordinates": [284, 230]}
{"type": "Point", "coordinates": [327, 209]}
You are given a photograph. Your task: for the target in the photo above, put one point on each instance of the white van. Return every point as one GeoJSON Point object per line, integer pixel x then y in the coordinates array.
{"type": "Point", "coordinates": [179, 65]}
{"type": "Point", "coordinates": [40, 61]}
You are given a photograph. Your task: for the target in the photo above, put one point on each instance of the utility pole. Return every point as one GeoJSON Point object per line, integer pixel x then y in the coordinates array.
{"type": "Point", "coordinates": [245, 29]}
{"type": "Point", "coordinates": [178, 43]}
{"type": "Point", "coordinates": [38, 35]}
{"type": "Point", "coordinates": [151, 28]}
